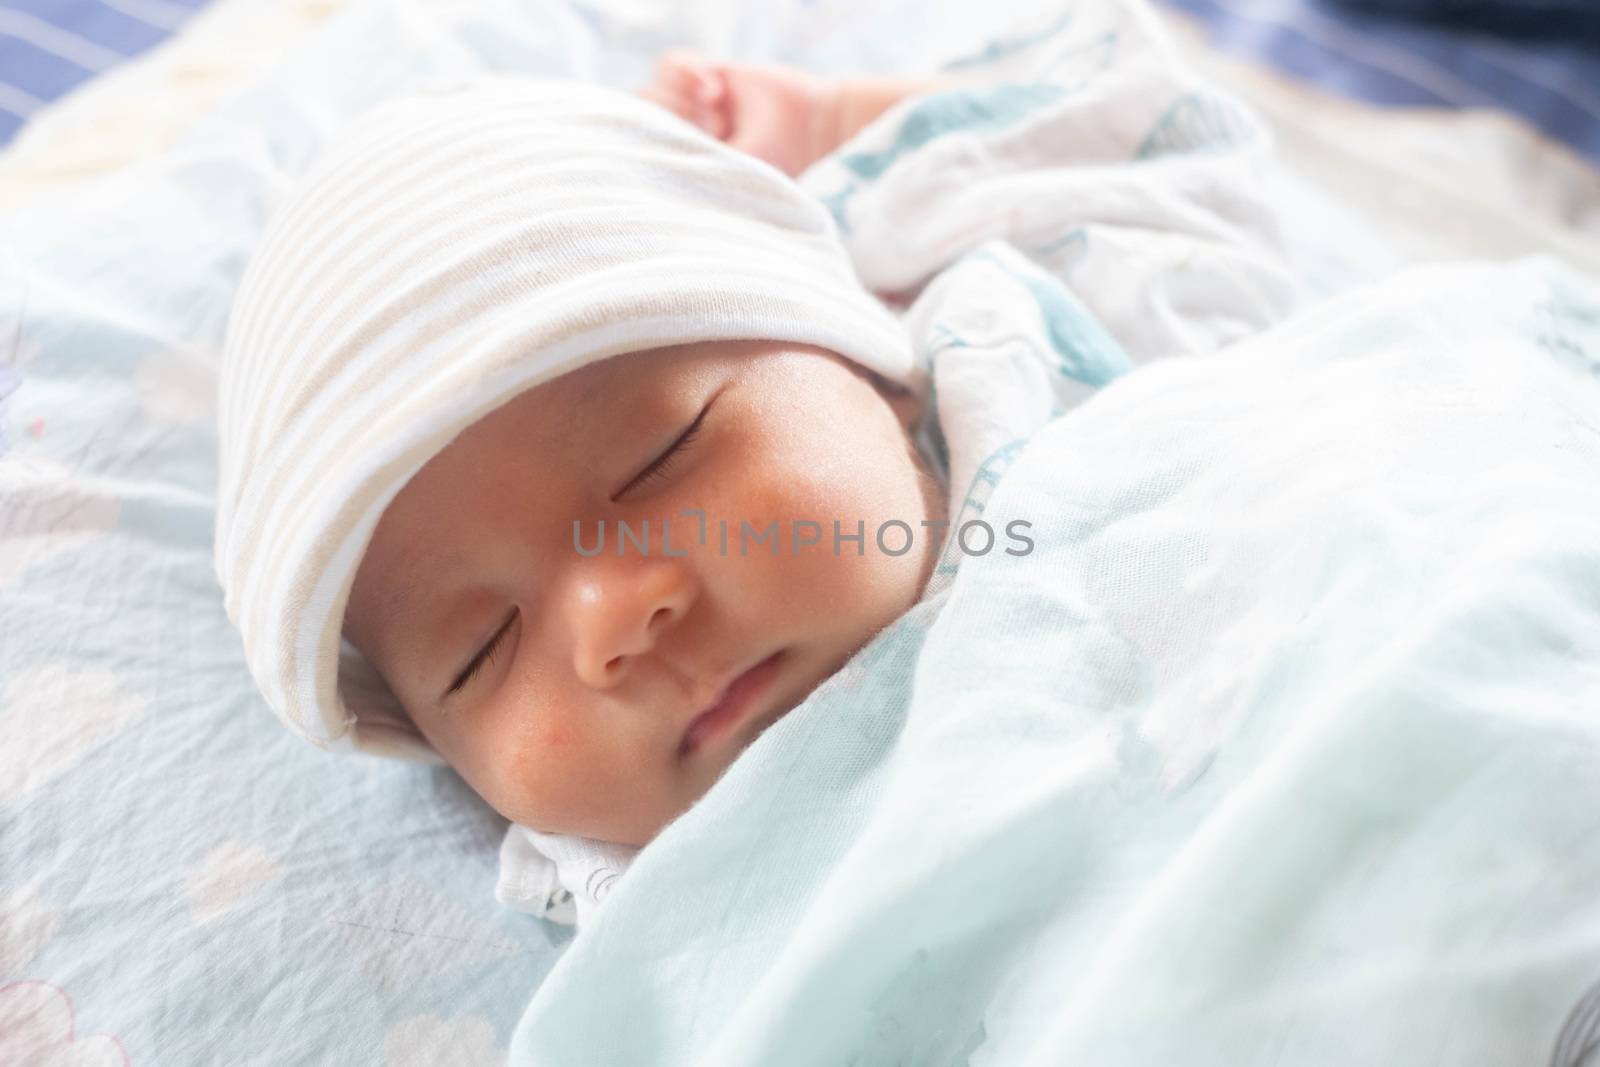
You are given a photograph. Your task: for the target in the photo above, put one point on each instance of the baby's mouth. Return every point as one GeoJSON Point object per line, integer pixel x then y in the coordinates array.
{"type": "Point", "coordinates": [739, 700]}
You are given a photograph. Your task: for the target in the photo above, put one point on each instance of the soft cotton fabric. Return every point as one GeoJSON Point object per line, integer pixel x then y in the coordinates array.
{"type": "Point", "coordinates": [1283, 746]}
{"type": "Point", "coordinates": [560, 877]}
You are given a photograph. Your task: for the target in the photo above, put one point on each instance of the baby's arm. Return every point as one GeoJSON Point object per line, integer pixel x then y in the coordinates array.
{"type": "Point", "coordinates": [784, 115]}
{"type": "Point", "coordinates": [857, 101]}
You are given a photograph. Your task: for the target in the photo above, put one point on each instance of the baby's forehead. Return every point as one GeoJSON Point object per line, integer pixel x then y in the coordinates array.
{"type": "Point", "coordinates": [590, 385]}
{"type": "Point", "coordinates": [393, 591]}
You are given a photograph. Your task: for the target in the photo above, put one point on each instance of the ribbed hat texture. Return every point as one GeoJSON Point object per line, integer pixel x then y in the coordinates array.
{"type": "Point", "coordinates": [449, 251]}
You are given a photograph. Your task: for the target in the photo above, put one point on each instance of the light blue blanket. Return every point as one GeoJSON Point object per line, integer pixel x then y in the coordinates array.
{"type": "Point", "coordinates": [1282, 746]}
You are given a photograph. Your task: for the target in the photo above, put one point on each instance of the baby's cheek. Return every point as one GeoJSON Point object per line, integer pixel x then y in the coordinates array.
{"type": "Point", "coordinates": [806, 495]}
{"type": "Point", "coordinates": [526, 762]}
{"type": "Point", "coordinates": [555, 736]}
{"type": "Point", "coordinates": [791, 488]}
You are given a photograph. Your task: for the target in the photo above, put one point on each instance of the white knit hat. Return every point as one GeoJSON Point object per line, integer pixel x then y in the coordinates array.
{"type": "Point", "coordinates": [451, 251]}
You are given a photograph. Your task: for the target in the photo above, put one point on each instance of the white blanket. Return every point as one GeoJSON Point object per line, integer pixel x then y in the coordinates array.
{"type": "Point", "coordinates": [1283, 746]}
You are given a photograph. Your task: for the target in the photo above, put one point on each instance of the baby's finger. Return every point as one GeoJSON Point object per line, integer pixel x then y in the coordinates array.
{"type": "Point", "coordinates": [691, 73]}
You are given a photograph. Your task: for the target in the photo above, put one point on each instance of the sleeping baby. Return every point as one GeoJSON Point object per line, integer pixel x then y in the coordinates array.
{"type": "Point", "coordinates": [572, 437]}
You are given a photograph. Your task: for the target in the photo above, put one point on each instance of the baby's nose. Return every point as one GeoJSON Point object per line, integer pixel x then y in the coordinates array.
{"type": "Point", "coordinates": [622, 608]}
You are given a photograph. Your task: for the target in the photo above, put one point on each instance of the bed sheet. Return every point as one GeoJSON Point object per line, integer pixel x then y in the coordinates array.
{"type": "Point", "coordinates": [1540, 61]}
{"type": "Point", "coordinates": [180, 880]}
{"type": "Point", "coordinates": [138, 109]}
{"type": "Point", "coordinates": [48, 47]}
{"type": "Point", "coordinates": [1368, 190]}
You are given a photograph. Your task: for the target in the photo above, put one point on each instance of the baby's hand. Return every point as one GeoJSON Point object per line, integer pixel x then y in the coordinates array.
{"type": "Point", "coordinates": [779, 114]}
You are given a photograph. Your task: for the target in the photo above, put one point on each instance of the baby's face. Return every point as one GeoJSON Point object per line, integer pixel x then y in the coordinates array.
{"type": "Point", "coordinates": [579, 719]}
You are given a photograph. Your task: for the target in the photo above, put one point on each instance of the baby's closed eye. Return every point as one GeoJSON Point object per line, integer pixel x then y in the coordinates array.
{"type": "Point", "coordinates": [483, 655]}
{"type": "Point", "coordinates": [659, 467]}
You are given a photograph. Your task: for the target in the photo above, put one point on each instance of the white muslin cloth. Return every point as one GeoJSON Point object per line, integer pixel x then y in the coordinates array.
{"type": "Point", "coordinates": [558, 877]}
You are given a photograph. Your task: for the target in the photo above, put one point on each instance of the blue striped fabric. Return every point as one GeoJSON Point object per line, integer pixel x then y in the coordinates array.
{"type": "Point", "coordinates": [1539, 60]}
{"type": "Point", "coordinates": [47, 47]}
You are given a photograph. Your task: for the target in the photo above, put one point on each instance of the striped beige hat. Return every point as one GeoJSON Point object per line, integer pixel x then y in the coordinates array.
{"type": "Point", "coordinates": [451, 250]}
